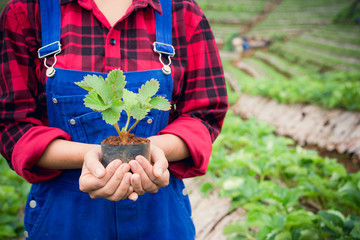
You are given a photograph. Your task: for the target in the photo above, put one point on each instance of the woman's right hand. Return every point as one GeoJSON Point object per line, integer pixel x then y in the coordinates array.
{"type": "Point", "coordinates": [112, 182]}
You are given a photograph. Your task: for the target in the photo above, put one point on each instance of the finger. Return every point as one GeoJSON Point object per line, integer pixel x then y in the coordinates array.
{"type": "Point", "coordinates": [159, 168]}
{"type": "Point", "coordinates": [122, 190]}
{"type": "Point", "coordinates": [160, 161]}
{"type": "Point", "coordinates": [133, 196]}
{"type": "Point", "coordinates": [112, 184]}
{"type": "Point", "coordinates": [92, 163]}
{"type": "Point", "coordinates": [146, 166]}
{"type": "Point", "coordinates": [89, 183]}
{"type": "Point", "coordinates": [149, 170]}
{"type": "Point", "coordinates": [146, 183]}
{"type": "Point", "coordinates": [136, 183]}
{"type": "Point", "coordinates": [130, 190]}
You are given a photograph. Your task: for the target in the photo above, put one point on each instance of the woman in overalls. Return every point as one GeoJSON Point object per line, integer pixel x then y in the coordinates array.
{"type": "Point", "coordinates": [52, 140]}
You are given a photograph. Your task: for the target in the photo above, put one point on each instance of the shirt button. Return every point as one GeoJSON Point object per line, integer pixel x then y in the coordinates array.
{"type": "Point", "coordinates": [149, 121]}
{"type": "Point", "coordinates": [26, 234]}
{"type": "Point", "coordinates": [55, 100]}
{"type": "Point", "coordinates": [32, 204]}
{"type": "Point", "coordinates": [72, 121]}
{"type": "Point", "coordinates": [184, 192]}
{"type": "Point", "coordinates": [112, 41]}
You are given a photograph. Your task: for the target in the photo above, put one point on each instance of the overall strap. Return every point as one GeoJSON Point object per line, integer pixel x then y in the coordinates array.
{"type": "Point", "coordinates": [50, 31]}
{"type": "Point", "coordinates": [163, 43]}
{"type": "Point", "coordinates": [50, 27]}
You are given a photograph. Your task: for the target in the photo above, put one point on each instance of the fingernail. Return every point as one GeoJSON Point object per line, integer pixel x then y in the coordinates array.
{"type": "Point", "coordinates": [124, 168]}
{"type": "Point", "coordinates": [133, 197]}
{"type": "Point", "coordinates": [98, 172]}
{"type": "Point", "coordinates": [126, 178]}
{"type": "Point", "coordinates": [117, 164]}
{"type": "Point", "coordinates": [133, 165]}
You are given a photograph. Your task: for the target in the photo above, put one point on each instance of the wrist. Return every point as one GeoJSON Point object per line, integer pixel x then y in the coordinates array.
{"type": "Point", "coordinates": [174, 148]}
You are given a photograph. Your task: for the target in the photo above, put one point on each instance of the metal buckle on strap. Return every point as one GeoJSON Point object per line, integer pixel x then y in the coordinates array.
{"type": "Point", "coordinates": [48, 50]}
{"type": "Point", "coordinates": [167, 49]}
{"type": "Point", "coordinates": [163, 48]}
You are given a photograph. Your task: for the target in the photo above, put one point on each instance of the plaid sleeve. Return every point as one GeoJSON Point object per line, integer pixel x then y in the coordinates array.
{"type": "Point", "coordinates": [201, 108]}
{"type": "Point", "coordinates": [22, 98]}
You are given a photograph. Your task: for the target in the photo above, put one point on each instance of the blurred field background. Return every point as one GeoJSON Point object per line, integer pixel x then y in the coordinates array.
{"type": "Point", "coordinates": [286, 164]}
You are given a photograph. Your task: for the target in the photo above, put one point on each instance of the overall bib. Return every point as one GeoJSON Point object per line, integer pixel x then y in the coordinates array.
{"type": "Point", "coordinates": [57, 209]}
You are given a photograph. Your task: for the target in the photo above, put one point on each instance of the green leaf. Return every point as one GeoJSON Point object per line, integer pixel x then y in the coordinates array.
{"type": "Point", "coordinates": [233, 183]}
{"type": "Point", "coordinates": [97, 84]}
{"type": "Point", "coordinates": [116, 81]}
{"type": "Point", "coordinates": [117, 105]}
{"type": "Point", "coordinates": [309, 234]}
{"type": "Point", "coordinates": [301, 218]}
{"type": "Point", "coordinates": [265, 233]}
{"type": "Point", "coordinates": [111, 116]}
{"type": "Point", "coordinates": [333, 220]}
{"type": "Point", "coordinates": [206, 188]}
{"type": "Point", "coordinates": [148, 90]}
{"type": "Point", "coordinates": [5, 218]}
{"type": "Point", "coordinates": [6, 231]}
{"type": "Point", "coordinates": [160, 103]}
{"type": "Point", "coordinates": [95, 102]}
{"type": "Point", "coordinates": [355, 232]}
{"type": "Point", "coordinates": [84, 85]}
{"type": "Point", "coordinates": [129, 98]}
{"type": "Point", "coordinates": [236, 227]}
{"type": "Point", "coordinates": [283, 236]}
{"type": "Point", "coordinates": [258, 219]}
{"type": "Point", "coordinates": [137, 111]}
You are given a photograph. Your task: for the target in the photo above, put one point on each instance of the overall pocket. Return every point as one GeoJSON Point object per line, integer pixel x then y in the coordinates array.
{"type": "Point", "coordinates": [36, 209]}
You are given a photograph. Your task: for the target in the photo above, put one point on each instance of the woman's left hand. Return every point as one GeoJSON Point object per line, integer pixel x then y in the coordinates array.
{"type": "Point", "coordinates": [150, 176]}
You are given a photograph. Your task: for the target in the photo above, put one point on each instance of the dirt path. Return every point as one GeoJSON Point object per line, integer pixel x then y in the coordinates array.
{"type": "Point", "coordinates": [260, 17]}
{"type": "Point", "coordinates": [332, 131]}
{"type": "Point", "coordinates": [210, 214]}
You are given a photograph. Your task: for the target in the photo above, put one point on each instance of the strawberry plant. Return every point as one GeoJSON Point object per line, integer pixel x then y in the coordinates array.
{"type": "Point", "coordinates": [110, 98]}
{"type": "Point", "coordinates": [288, 192]}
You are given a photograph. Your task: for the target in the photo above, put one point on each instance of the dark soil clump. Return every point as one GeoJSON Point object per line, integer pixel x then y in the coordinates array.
{"type": "Point", "coordinates": [116, 140]}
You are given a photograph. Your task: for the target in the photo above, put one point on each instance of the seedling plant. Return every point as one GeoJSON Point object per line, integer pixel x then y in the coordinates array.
{"type": "Point", "coordinates": [110, 98]}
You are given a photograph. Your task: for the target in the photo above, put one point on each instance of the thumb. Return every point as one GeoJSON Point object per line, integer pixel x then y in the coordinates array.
{"type": "Point", "coordinates": [92, 161]}
{"type": "Point", "coordinates": [160, 162]}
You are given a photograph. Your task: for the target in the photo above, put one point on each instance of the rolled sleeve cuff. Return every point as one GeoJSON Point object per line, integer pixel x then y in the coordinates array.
{"type": "Point", "coordinates": [29, 149]}
{"type": "Point", "coordinates": [197, 138]}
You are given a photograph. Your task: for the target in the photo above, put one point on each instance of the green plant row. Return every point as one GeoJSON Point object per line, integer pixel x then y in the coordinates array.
{"type": "Point", "coordinates": [288, 192]}
{"type": "Point", "coordinates": [281, 64]}
{"type": "Point", "coordinates": [337, 50]}
{"type": "Point", "coordinates": [304, 54]}
{"type": "Point", "coordinates": [299, 58]}
{"type": "Point", "coordinates": [233, 7]}
{"type": "Point", "coordinates": [330, 90]}
{"type": "Point", "coordinates": [13, 193]}
{"type": "Point", "coordinates": [340, 37]}
{"type": "Point", "coordinates": [214, 15]}
{"type": "Point", "coordinates": [263, 69]}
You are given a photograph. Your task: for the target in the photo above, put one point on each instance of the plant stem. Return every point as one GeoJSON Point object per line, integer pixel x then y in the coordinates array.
{"type": "Point", "coordinates": [116, 125]}
{"type": "Point", "coordinates": [125, 137]}
{"type": "Point", "coordinates": [137, 121]}
{"type": "Point", "coordinates": [127, 122]}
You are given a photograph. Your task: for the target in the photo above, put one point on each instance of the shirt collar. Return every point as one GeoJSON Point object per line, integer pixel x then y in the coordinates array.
{"type": "Point", "coordinates": [87, 4]}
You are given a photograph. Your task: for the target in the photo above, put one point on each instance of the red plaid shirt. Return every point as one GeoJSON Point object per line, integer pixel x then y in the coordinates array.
{"type": "Point", "coordinates": [90, 44]}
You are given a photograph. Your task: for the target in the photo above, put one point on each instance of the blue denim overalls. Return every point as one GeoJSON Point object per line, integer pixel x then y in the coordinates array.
{"type": "Point", "coordinates": [57, 209]}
